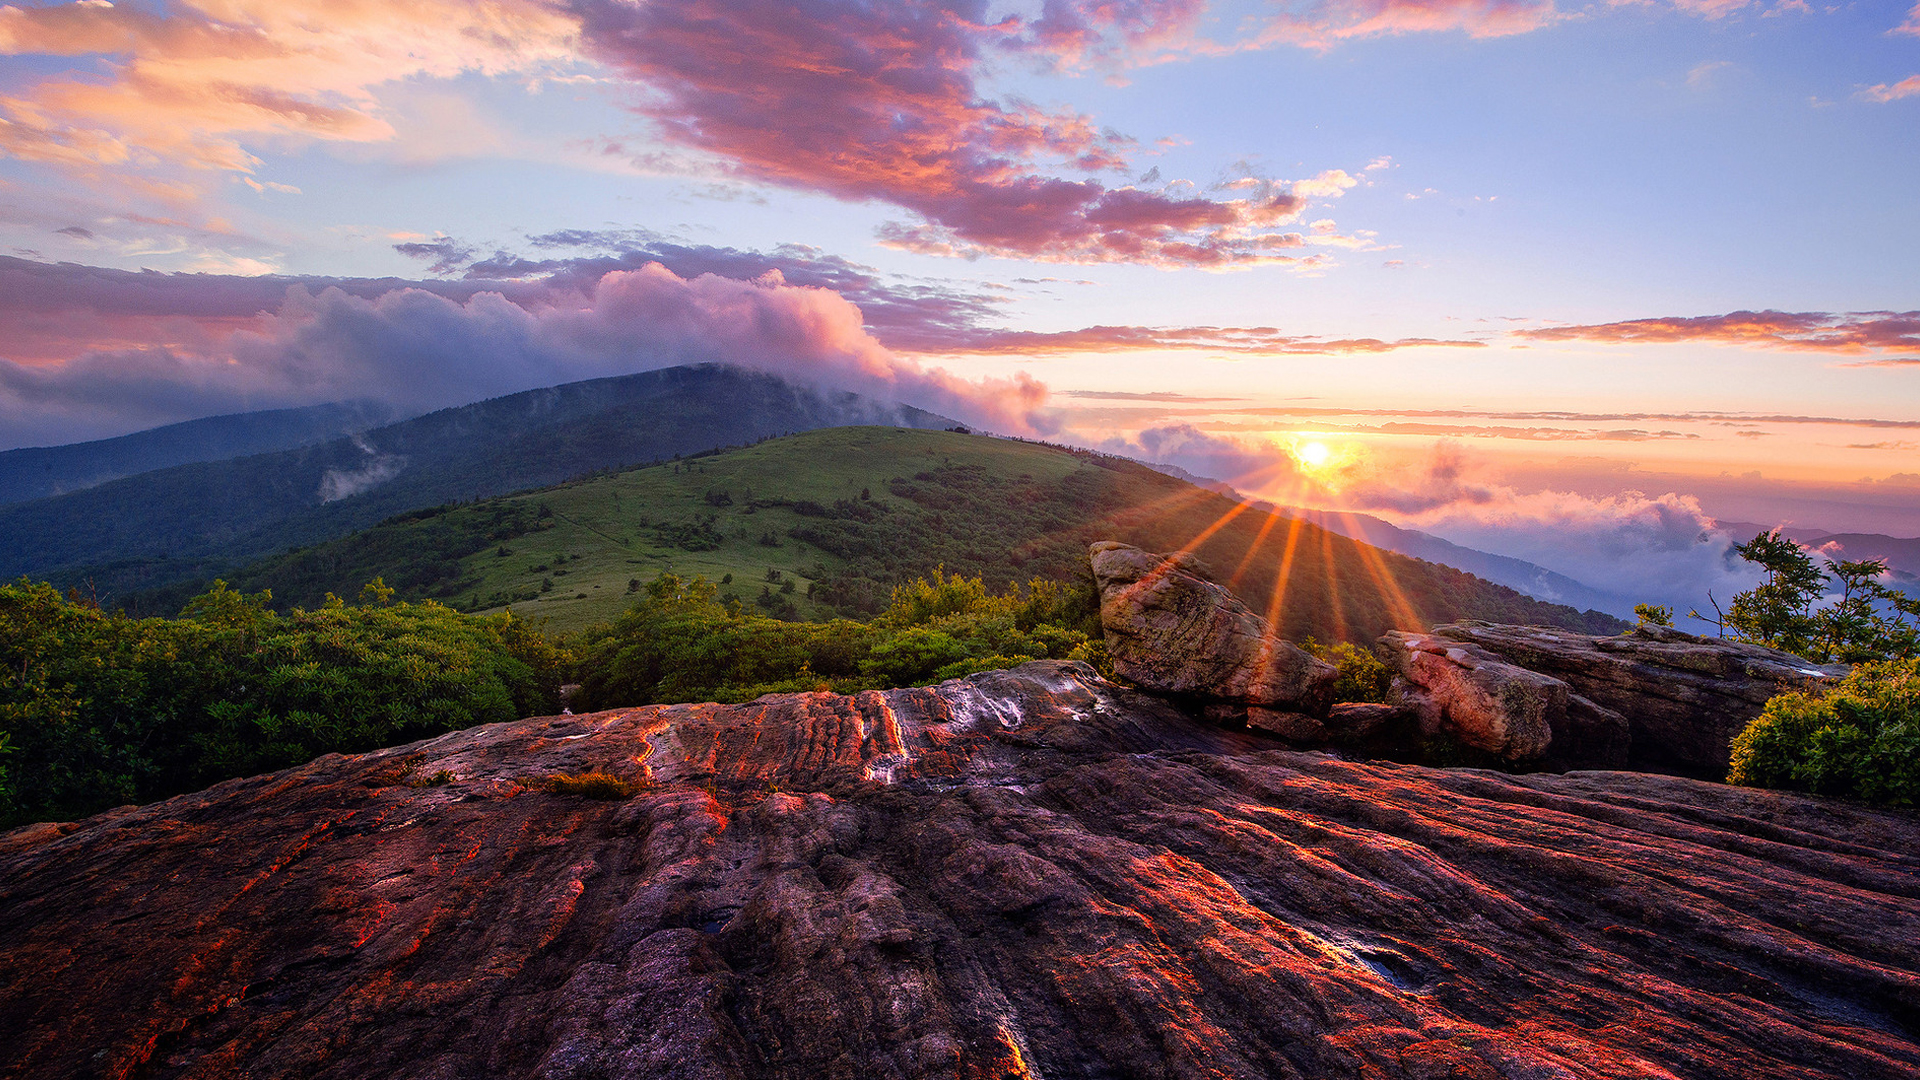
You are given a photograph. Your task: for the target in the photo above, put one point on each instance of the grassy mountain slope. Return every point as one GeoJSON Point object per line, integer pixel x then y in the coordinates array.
{"type": "Point", "coordinates": [194, 520]}
{"type": "Point", "coordinates": [827, 522]}
{"type": "Point", "coordinates": [38, 472]}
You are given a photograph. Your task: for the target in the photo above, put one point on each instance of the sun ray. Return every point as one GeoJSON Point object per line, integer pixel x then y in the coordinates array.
{"type": "Point", "coordinates": [1280, 580]}
{"type": "Point", "coordinates": [1374, 561]}
{"type": "Point", "coordinates": [1253, 549]}
{"type": "Point", "coordinates": [1340, 631]}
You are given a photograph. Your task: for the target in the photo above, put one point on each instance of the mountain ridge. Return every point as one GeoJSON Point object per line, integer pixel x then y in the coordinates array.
{"type": "Point", "coordinates": [196, 519]}
{"type": "Point", "coordinates": [834, 519]}
{"type": "Point", "coordinates": [42, 471]}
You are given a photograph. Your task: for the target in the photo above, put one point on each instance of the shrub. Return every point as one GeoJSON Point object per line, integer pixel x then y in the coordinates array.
{"type": "Point", "coordinates": [1362, 676]}
{"type": "Point", "coordinates": [680, 644]}
{"type": "Point", "coordinates": [100, 709]}
{"type": "Point", "coordinates": [1654, 614]}
{"type": "Point", "coordinates": [1859, 738]}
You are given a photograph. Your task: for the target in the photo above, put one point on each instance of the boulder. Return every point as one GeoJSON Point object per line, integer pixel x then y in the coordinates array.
{"type": "Point", "coordinates": [1172, 631]}
{"type": "Point", "coordinates": [1501, 708]}
{"type": "Point", "coordinates": [1472, 695]}
{"type": "Point", "coordinates": [1684, 697]}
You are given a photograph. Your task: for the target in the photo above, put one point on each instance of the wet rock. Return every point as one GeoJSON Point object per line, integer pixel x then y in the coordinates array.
{"type": "Point", "coordinates": [1684, 697]}
{"type": "Point", "coordinates": [1170, 630]}
{"type": "Point", "coordinates": [1024, 873]}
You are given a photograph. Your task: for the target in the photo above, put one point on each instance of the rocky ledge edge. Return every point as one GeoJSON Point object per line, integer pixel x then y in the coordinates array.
{"type": "Point", "coordinates": [1653, 698]}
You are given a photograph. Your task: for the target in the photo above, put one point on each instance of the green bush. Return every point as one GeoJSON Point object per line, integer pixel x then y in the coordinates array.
{"type": "Point", "coordinates": [1859, 738]}
{"type": "Point", "coordinates": [1362, 676]}
{"type": "Point", "coordinates": [100, 709]}
{"type": "Point", "coordinates": [681, 644]}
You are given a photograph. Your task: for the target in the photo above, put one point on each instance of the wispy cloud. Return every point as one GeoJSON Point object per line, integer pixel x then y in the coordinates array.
{"type": "Point", "coordinates": [1305, 411]}
{"type": "Point", "coordinates": [1912, 25]}
{"type": "Point", "coordinates": [1885, 92]}
{"type": "Point", "coordinates": [1326, 23]}
{"type": "Point", "coordinates": [1850, 333]}
{"type": "Point", "coordinates": [190, 86]}
{"type": "Point", "coordinates": [1125, 395]}
{"type": "Point", "coordinates": [1254, 340]}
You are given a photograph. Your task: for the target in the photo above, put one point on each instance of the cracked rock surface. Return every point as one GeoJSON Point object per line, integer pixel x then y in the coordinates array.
{"type": "Point", "coordinates": [1025, 873]}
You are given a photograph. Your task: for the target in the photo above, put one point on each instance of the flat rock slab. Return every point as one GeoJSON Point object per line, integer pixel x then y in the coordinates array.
{"type": "Point", "coordinates": [1018, 874]}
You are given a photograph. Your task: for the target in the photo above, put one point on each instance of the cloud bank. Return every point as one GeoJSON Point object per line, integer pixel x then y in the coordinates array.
{"type": "Point", "coordinates": [419, 350]}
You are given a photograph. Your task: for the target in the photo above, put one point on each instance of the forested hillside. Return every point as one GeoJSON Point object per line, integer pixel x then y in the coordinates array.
{"type": "Point", "coordinates": [828, 522]}
{"type": "Point", "coordinates": [194, 521]}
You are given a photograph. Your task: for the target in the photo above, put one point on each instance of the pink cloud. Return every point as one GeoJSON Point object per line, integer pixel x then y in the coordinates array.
{"type": "Point", "coordinates": [881, 103]}
{"type": "Point", "coordinates": [1912, 25]}
{"type": "Point", "coordinates": [1858, 332]}
{"type": "Point", "coordinates": [1077, 34]}
{"type": "Point", "coordinates": [190, 85]}
{"type": "Point", "coordinates": [1323, 24]}
{"type": "Point", "coordinates": [419, 349]}
{"type": "Point", "coordinates": [1886, 92]}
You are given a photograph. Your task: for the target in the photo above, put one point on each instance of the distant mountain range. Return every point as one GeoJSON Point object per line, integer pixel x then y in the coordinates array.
{"type": "Point", "coordinates": [1902, 556]}
{"type": "Point", "coordinates": [194, 520]}
{"type": "Point", "coordinates": [1531, 578]}
{"type": "Point", "coordinates": [38, 472]}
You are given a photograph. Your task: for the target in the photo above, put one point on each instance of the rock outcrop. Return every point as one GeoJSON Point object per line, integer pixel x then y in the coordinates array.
{"type": "Point", "coordinates": [1518, 715]}
{"type": "Point", "coordinates": [1172, 631]}
{"type": "Point", "coordinates": [1026, 873]}
{"type": "Point", "coordinates": [1683, 697]}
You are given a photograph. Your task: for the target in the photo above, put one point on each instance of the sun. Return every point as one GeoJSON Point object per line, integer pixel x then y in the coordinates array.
{"type": "Point", "coordinates": [1313, 454]}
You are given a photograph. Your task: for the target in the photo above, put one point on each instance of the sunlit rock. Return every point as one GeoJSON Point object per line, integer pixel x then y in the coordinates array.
{"type": "Point", "coordinates": [1170, 630]}
{"type": "Point", "coordinates": [1021, 873]}
{"type": "Point", "coordinates": [1683, 697]}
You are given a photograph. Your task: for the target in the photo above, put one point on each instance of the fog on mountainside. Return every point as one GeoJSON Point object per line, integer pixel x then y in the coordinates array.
{"type": "Point", "coordinates": [38, 472]}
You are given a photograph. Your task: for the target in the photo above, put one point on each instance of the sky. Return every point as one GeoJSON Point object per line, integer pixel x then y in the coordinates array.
{"type": "Point", "coordinates": [1568, 281]}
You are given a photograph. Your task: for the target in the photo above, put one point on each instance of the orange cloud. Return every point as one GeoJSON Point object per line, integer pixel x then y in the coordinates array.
{"type": "Point", "coordinates": [193, 86]}
{"type": "Point", "coordinates": [1854, 333]}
